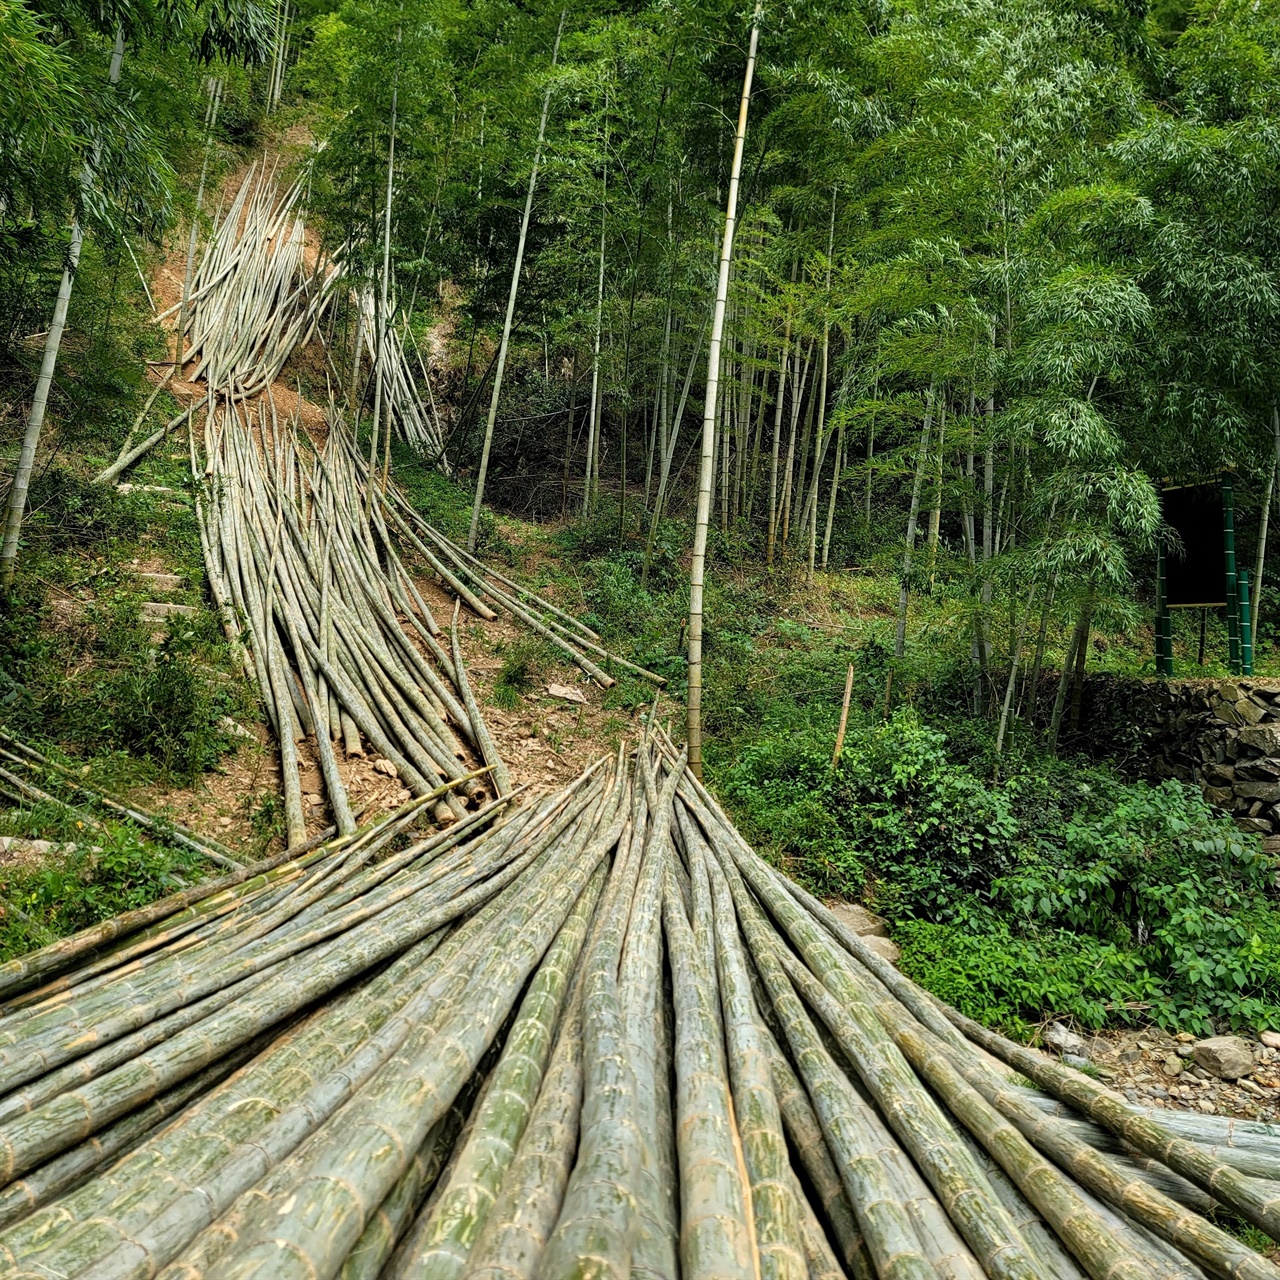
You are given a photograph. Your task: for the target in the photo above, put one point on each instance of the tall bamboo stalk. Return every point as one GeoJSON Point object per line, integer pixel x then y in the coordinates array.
{"type": "Point", "coordinates": [509, 318]}
{"type": "Point", "coordinates": [697, 570]}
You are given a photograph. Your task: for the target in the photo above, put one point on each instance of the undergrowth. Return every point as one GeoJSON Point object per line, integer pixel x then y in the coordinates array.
{"type": "Point", "coordinates": [91, 874]}
{"type": "Point", "coordinates": [1020, 887]}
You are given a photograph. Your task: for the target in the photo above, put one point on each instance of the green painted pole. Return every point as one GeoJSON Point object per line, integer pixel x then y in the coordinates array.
{"type": "Point", "coordinates": [1164, 627]}
{"type": "Point", "coordinates": [1246, 630]}
{"type": "Point", "coordinates": [1233, 599]}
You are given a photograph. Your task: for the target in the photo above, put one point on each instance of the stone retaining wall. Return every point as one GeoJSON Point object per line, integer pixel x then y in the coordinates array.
{"type": "Point", "coordinates": [1222, 734]}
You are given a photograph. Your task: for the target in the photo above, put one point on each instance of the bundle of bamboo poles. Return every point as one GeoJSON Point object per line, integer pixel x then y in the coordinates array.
{"type": "Point", "coordinates": [485, 590]}
{"type": "Point", "coordinates": [418, 425]}
{"type": "Point", "coordinates": [300, 562]}
{"type": "Point", "coordinates": [594, 1036]}
{"type": "Point", "coordinates": [252, 299]}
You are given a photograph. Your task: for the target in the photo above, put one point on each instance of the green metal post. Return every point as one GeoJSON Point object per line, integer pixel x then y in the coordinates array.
{"type": "Point", "coordinates": [1246, 631]}
{"type": "Point", "coordinates": [1164, 624]}
{"type": "Point", "coordinates": [1233, 599]}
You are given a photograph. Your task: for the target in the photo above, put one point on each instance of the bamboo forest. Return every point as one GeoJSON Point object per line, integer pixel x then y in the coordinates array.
{"type": "Point", "coordinates": [639, 638]}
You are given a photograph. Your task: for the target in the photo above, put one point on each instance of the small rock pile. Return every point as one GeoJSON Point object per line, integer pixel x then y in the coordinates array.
{"type": "Point", "coordinates": [1220, 1075]}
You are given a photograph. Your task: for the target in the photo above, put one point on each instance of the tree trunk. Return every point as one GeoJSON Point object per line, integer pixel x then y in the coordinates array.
{"type": "Point", "coordinates": [593, 419]}
{"type": "Point", "coordinates": [698, 567]}
{"type": "Point", "coordinates": [913, 514]}
{"type": "Point", "coordinates": [1261, 562]}
{"type": "Point", "coordinates": [1064, 678]}
{"type": "Point", "coordinates": [871, 453]}
{"type": "Point", "coordinates": [568, 431]}
{"type": "Point", "coordinates": [665, 474]}
{"type": "Point", "coordinates": [505, 342]}
{"type": "Point", "coordinates": [44, 381]}
{"type": "Point", "coordinates": [383, 320]}
{"type": "Point", "coordinates": [1038, 664]}
{"type": "Point", "coordinates": [935, 515]}
{"type": "Point", "coordinates": [835, 486]}
{"type": "Point", "coordinates": [1082, 657]}
{"type": "Point", "coordinates": [798, 384]}
{"type": "Point", "coordinates": [772, 534]}
{"type": "Point", "coordinates": [1013, 672]}
{"type": "Point", "coordinates": [803, 457]}
{"type": "Point", "coordinates": [210, 122]}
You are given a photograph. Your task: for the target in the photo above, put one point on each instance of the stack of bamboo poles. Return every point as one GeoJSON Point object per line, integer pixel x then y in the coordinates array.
{"type": "Point", "coordinates": [417, 424]}
{"type": "Point", "coordinates": [484, 590]}
{"type": "Point", "coordinates": [297, 554]}
{"type": "Point", "coordinates": [593, 1036]}
{"type": "Point", "coordinates": [253, 301]}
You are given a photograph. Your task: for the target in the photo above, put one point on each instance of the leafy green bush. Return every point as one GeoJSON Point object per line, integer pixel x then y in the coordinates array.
{"type": "Point", "coordinates": [105, 873]}
{"type": "Point", "coordinates": [1060, 889]}
{"type": "Point", "coordinates": [90, 677]}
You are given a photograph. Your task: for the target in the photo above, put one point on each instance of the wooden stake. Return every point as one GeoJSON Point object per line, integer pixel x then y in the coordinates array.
{"type": "Point", "coordinates": [844, 717]}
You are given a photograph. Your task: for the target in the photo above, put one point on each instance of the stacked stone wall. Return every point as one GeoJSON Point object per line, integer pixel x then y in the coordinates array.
{"type": "Point", "coordinates": [1222, 735]}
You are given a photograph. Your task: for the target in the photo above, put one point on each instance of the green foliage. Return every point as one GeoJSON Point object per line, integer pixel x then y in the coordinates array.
{"type": "Point", "coordinates": [107, 872]}
{"type": "Point", "coordinates": [1059, 889]}
{"type": "Point", "coordinates": [524, 664]}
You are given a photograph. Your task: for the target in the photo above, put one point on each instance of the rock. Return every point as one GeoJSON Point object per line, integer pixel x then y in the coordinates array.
{"type": "Point", "coordinates": [1226, 711]}
{"type": "Point", "coordinates": [1075, 1060]}
{"type": "Point", "coordinates": [1221, 775]}
{"type": "Point", "coordinates": [1158, 1091]}
{"type": "Point", "coordinates": [1271, 1039]}
{"type": "Point", "coordinates": [1249, 1086]}
{"type": "Point", "coordinates": [1268, 791]}
{"type": "Point", "coordinates": [163, 609]}
{"type": "Point", "coordinates": [1063, 1039]}
{"type": "Point", "coordinates": [567, 693]}
{"type": "Point", "coordinates": [161, 581]}
{"type": "Point", "coordinates": [313, 798]}
{"type": "Point", "coordinates": [1229, 691]}
{"type": "Point", "coordinates": [885, 948]}
{"type": "Point", "coordinates": [1221, 796]}
{"type": "Point", "coordinates": [383, 765]}
{"type": "Point", "coordinates": [857, 919]}
{"type": "Point", "coordinates": [1264, 738]}
{"type": "Point", "coordinates": [1227, 1057]}
{"type": "Point", "coordinates": [1172, 1066]}
{"type": "Point", "coordinates": [1184, 1051]}
{"type": "Point", "coordinates": [1203, 1104]}
{"type": "Point", "coordinates": [1249, 711]}
{"type": "Point", "coordinates": [1262, 769]}
{"type": "Point", "coordinates": [1260, 825]}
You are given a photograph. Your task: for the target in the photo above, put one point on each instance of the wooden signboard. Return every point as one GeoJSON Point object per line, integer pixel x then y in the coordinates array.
{"type": "Point", "coordinates": [1196, 571]}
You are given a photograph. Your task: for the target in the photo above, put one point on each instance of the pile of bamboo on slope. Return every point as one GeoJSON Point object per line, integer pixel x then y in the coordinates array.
{"type": "Point", "coordinates": [595, 1036]}
{"type": "Point", "coordinates": [417, 424]}
{"type": "Point", "coordinates": [299, 559]}
{"type": "Point", "coordinates": [252, 299]}
{"type": "Point", "coordinates": [485, 590]}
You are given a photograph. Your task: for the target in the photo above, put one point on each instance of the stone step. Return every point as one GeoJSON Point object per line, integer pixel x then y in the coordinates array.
{"type": "Point", "coordinates": [161, 581]}
{"type": "Point", "coordinates": [165, 609]}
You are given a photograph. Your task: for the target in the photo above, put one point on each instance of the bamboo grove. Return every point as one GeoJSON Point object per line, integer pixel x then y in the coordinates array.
{"type": "Point", "coordinates": [994, 271]}
{"type": "Point", "coordinates": [591, 1033]}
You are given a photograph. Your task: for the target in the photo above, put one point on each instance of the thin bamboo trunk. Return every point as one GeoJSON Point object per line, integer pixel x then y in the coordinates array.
{"type": "Point", "coordinates": [52, 343]}
{"type": "Point", "coordinates": [593, 420]}
{"type": "Point", "coordinates": [835, 486]}
{"type": "Point", "coordinates": [1261, 563]}
{"type": "Point", "coordinates": [913, 512]}
{"type": "Point", "coordinates": [509, 318]}
{"type": "Point", "coordinates": [383, 322]}
{"type": "Point", "coordinates": [698, 567]}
